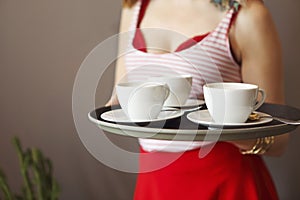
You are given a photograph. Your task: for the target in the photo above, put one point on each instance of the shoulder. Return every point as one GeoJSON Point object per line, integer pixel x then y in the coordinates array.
{"type": "Point", "coordinates": [254, 14]}
{"type": "Point", "coordinates": [127, 16]}
{"type": "Point", "coordinates": [253, 21]}
{"type": "Point", "coordinates": [253, 29]}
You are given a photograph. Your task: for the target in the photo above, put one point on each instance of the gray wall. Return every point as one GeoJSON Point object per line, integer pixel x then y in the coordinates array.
{"type": "Point", "coordinates": [285, 169]}
{"type": "Point", "coordinates": [42, 44]}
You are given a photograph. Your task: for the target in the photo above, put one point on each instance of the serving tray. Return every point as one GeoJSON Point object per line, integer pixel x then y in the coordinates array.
{"type": "Point", "coordinates": [183, 129]}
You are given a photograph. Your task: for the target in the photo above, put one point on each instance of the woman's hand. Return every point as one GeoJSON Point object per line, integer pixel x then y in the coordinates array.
{"type": "Point", "coordinates": [276, 149]}
{"type": "Point", "coordinates": [113, 101]}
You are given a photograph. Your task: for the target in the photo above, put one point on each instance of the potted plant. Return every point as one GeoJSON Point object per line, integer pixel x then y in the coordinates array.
{"type": "Point", "coordinates": [37, 173]}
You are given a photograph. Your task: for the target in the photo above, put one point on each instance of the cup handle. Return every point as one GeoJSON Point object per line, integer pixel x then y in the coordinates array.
{"type": "Point", "coordinates": [262, 100]}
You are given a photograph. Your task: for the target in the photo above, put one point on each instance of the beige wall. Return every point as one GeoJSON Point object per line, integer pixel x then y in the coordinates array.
{"type": "Point", "coordinates": [42, 44]}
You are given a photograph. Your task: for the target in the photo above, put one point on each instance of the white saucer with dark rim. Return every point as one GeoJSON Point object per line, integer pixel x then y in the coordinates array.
{"type": "Point", "coordinates": [118, 115]}
{"type": "Point", "coordinates": [203, 117]}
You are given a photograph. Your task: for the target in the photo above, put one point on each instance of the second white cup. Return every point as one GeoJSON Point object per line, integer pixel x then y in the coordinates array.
{"type": "Point", "coordinates": [180, 88]}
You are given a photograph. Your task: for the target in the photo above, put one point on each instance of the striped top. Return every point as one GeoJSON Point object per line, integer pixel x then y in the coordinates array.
{"type": "Point", "coordinates": [208, 60]}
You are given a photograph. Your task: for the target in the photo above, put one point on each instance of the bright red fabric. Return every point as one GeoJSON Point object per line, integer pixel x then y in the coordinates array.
{"type": "Point", "coordinates": [224, 174]}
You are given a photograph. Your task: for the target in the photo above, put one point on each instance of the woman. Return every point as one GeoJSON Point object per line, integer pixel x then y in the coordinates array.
{"type": "Point", "coordinates": [223, 40]}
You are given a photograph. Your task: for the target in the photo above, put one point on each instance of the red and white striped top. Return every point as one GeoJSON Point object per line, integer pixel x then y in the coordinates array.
{"type": "Point", "coordinates": [208, 60]}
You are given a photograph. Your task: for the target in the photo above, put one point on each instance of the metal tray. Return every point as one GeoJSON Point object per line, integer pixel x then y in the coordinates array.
{"type": "Point", "coordinates": [183, 129]}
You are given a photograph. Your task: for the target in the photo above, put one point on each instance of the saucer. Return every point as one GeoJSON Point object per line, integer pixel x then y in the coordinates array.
{"type": "Point", "coordinates": [203, 117]}
{"type": "Point", "coordinates": [189, 103]}
{"type": "Point", "coordinates": [118, 115]}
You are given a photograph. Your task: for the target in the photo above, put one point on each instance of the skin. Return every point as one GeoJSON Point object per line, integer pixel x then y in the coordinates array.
{"type": "Point", "coordinates": [253, 37]}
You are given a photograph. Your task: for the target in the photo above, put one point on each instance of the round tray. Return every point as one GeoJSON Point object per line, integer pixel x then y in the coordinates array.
{"type": "Point", "coordinates": [183, 129]}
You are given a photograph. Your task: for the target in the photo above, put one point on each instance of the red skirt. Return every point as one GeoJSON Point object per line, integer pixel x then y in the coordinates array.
{"type": "Point", "coordinates": [223, 174]}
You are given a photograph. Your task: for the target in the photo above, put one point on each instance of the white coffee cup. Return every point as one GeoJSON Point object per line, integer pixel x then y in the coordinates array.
{"type": "Point", "coordinates": [180, 88]}
{"type": "Point", "coordinates": [232, 102]}
{"type": "Point", "coordinates": [142, 101]}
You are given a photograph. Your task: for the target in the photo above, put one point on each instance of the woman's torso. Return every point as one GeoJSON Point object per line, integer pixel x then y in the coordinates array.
{"type": "Point", "coordinates": [205, 53]}
{"type": "Point", "coordinates": [184, 19]}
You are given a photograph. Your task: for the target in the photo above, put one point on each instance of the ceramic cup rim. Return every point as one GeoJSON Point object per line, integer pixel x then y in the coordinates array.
{"type": "Point", "coordinates": [139, 83]}
{"type": "Point", "coordinates": [230, 86]}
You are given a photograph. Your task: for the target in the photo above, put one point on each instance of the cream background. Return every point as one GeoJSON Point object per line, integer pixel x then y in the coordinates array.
{"type": "Point", "coordinates": [42, 44]}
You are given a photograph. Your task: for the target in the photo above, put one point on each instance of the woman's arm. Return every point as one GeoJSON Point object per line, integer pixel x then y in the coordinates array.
{"type": "Point", "coordinates": [120, 71]}
{"type": "Point", "coordinates": [256, 46]}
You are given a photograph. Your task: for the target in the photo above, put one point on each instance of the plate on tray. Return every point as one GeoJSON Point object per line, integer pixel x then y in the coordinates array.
{"type": "Point", "coordinates": [188, 104]}
{"type": "Point", "coordinates": [118, 115]}
{"type": "Point", "coordinates": [203, 117]}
